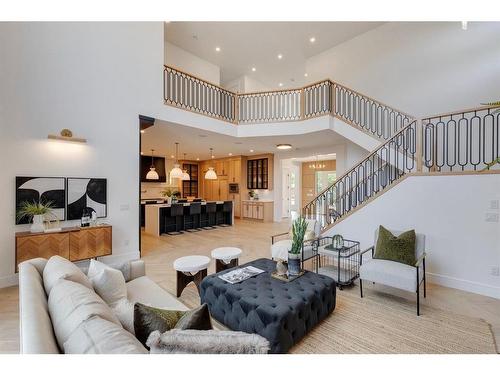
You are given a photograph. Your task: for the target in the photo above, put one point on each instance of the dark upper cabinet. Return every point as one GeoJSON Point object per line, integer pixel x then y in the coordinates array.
{"type": "Point", "coordinates": [190, 188]}
{"type": "Point", "coordinates": [258, 174]}
{"type": "Point", "coordinates": [159, 164]}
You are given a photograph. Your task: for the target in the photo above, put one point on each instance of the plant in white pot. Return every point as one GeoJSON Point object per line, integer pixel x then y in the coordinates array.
{"type": "Point", "coordinates": [36, 212]}
{"type": "Point", "coordinates": [299, 227]}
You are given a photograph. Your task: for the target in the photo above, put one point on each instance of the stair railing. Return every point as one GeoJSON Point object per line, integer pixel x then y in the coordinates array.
{"type": "Point", "coordinates": [322, 98]}
{"type": "Point", "coordinates": [385, 165]}
{"type": "Point", "coordinates": [461, 141]}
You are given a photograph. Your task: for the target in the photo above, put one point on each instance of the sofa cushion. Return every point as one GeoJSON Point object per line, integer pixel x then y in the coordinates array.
{"type": "Point", "coordinates": [147, 292]}
{"type": "Point", "coordinates": [110, 285]}
{"type": "Point", "coordinates": [178, 341]}
{"type": "Point", "coordinates": [71, 303]}
{"type": "Point", "coordinates": [58, 268]}
{"type": "Point", "coordinates": [387, 272]}
{"type": "Point", "coordinates": [99, 336]}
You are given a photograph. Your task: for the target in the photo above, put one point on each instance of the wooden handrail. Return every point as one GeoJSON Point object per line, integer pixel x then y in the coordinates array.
{"type": "Point", "coordinates": [459, 112]}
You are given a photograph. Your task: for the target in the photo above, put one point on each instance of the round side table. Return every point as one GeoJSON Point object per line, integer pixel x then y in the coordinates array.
{"type": "Point", "coordinates": [225, 257]}
{"type": "Point", "coordinates": [190, 268]}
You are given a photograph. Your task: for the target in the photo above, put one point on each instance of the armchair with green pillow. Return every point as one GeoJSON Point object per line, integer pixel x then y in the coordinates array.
{"type": "Point", "coordinates": [397, 260]}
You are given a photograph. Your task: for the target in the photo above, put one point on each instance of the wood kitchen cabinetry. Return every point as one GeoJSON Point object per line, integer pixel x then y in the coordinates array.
{"type": "Point", "coordinates": [71, 243]}
{"type": "Point", "coordinates": [255, 210]}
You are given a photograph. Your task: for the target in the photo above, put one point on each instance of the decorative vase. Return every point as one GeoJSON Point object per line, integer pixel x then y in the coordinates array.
{"type": "Point", "coordinates": [281, 267]}
{"type": "Point", "coordinates": [37, 225]}
{"type": "Point", "coordinates": [293, 264]}
{"type": "Point", "coordinates": [169, 200]}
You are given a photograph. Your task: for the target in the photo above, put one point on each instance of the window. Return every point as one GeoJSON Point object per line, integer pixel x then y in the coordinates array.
{"type": "Point", "coordinates": [324, 179]}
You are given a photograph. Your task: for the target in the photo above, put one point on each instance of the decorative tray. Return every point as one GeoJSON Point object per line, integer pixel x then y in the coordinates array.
{"type": "Point", "coordinates": [285, 277]}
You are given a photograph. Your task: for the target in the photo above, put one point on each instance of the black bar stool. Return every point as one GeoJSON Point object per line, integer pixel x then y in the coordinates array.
{"type": "Point", "coordinates": [193, 224]}
{"type": "Point", "coordinates": [176, 216]}
{"type": "Point", "coordinates": [224, 218]}
{"type": "Point", "coordinates": [208, 220]}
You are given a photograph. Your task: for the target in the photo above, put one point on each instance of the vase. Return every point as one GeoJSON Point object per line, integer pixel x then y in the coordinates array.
{"type": "Point", "coordinates": [281, 267]}
{"type": "Point", "coordinates": [293, 264]}
{"type": "Point", "coordinates": [37, 225]}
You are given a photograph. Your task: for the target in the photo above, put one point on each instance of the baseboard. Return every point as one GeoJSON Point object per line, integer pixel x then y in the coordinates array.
{"type": "Point", "coordinates": [10, 280]}
{"type": "Point", "coordinates": [466, 285]}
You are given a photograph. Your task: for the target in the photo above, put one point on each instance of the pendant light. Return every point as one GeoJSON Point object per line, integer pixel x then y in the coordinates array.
{"type": "Point", "coordinates": [176, 171]}
{"type": "Point", "coordinates": [211, 175]}
{"type": "Point", "coordinates": [317, 164]}
{"type": "Point", "coordinates": [152, 174]}
{"type": "Point", "coordinates": [185, 175]}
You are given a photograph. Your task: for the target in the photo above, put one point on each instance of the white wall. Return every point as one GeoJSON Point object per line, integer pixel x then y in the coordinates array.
{"type": "Point", "coordinates": [420, 68]}
{"type": "Point", "coordinates": [245, 84]}
{"type": "Point", "coordinates": [192, 64]}
{"type": "Point", "coordinates": [94, 78]}
{"type": "Point", "coordinates": [450, 210]}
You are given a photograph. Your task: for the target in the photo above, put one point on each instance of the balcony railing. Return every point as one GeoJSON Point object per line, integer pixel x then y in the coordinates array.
{"type": "Point", "coordinates": [318, 99]}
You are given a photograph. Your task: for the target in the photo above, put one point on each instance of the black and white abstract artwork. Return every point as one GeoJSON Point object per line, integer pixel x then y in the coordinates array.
{"type": "Point", "coordinates": [41, 190]}
{"type": "Point", "coordinates": [86, 192]}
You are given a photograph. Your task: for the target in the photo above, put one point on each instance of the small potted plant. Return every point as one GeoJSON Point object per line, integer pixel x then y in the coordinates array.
{"type": "Point", "coordinates": [299, 227]}
{"type": "Point", "coordinates": [251, 194]}
{"type": "Point", "coordinates": [36, 212]}
{"type": "Point", "coordinates": [175, 196]}
{"type": "Point", "coordinates": [167, 194]}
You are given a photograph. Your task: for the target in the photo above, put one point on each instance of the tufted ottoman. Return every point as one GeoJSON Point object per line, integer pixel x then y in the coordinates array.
{"type": "Point", "coordinates": [281, 312]}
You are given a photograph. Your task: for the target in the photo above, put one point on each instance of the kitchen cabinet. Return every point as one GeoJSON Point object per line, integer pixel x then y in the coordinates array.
{"type": "Point", "coordinates": [234, 174]}
{"type": "Point", "coordinates": [236, 204]}
{"type": "Point", "coordinates": [216, 190]}
{"type": "Point", "coordinates": [255, 210]}
{"type": "Point", "coordinates": [258, 173]}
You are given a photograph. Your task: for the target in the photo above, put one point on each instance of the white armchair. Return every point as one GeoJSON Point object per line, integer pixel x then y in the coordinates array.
{"type": "Point", "coordinates": [280, 248]}
{"type": "Point", "coordinates": [395, 274]}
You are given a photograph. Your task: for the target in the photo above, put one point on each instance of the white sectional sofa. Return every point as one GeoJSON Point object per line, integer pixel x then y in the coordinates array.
{"type": "Point", "coordinates": [36, 330]}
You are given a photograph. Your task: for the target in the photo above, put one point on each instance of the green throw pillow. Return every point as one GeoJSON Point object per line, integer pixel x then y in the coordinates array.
{"type": "Point", "coordinates": [148, 319]}
{"type": "Point", "coordinates": [398, 249]}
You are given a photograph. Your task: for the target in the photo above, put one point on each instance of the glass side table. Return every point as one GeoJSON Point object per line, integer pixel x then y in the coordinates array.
{"type": "Point", "coordinates": [340, 263]}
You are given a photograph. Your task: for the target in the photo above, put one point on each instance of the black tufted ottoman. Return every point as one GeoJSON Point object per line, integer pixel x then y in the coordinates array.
{"type": "Point", "coordinates": [281, 312]}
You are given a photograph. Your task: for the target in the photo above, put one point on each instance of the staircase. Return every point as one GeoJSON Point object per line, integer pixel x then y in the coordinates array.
{"type": "Point", "coordinates": [458, 142]}
{"type": "Point", "coordinates": [452, 143]}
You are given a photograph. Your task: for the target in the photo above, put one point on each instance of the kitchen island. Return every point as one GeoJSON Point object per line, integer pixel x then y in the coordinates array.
{"type": "Point", "coordinates": [158, 218]}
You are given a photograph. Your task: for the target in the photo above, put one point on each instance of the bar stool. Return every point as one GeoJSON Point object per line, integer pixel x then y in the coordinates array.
{"type": "Point", "coordinates": [209, 218]}
{"type": "Point", "coordinates": [193, 224]}
{"type": "Point", "coordinates": [225, 217]}
{"type": "Point", "coordinates": [176, 212]}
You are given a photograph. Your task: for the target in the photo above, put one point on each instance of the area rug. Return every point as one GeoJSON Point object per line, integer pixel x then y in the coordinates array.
{"type": "Point", "coordinates": [386, 324]}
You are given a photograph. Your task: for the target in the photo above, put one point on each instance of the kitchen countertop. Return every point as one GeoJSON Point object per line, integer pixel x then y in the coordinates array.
{"type": "Point", "coordinates": [160, 205]}
{"type": "Point", "coordinates": [258, 200]}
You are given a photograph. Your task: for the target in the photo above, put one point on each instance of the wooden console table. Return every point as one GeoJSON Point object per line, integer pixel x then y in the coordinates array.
{"type": "Point", "coordinates": [73, 243]}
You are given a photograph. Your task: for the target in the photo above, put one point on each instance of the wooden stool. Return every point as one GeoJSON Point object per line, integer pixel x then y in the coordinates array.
{"type": "Point", "coordinates": [225, 257]}
{"type": "Point", "coordinates": [190, 268]}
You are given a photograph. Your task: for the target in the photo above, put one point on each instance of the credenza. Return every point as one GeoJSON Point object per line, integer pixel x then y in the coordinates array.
{"type": "Point", "coordinates": [73, 243]}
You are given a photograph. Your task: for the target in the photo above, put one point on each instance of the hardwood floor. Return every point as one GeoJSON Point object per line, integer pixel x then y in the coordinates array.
{"type": "Point", "coordinates": [254, 239]}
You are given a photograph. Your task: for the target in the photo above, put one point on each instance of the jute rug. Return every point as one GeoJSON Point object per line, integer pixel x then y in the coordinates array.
{"type": "Point", "coordinates": [383, 324]}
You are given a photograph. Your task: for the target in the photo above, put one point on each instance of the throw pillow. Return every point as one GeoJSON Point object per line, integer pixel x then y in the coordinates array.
{"type": "Point", "coordinates": [309, 235]}
{"type": "Point", "coordinates": [98, 336]}
{"type": "Point", "coordinates": [110, 285]}
{"type": "Point", "coordinates": [398, 249]}
{"type": "Point", "coordinates": [58, 268]}
{"type": "Point", "coordinates": [178, 341]}
{"type": "Point", "coordinates": [70, 304]}
{"type": "Point", "coordinates": [148, 319]}
{"type": "Point", "coordinates": [95, 267]}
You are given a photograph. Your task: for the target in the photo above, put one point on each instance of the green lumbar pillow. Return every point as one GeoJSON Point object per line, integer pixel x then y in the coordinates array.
{"type": "Point", "coordinates": [148, 319]}
{"type": "Point", "coordinates": [398, 249]}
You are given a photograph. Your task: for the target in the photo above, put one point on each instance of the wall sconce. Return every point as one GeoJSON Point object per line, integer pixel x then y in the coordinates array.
{"type": "Point", "coordinates": [66, 135]}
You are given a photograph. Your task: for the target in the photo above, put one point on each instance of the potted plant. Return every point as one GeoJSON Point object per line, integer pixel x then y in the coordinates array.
{"type": "Point", "coordinates": [176, 195]}
{"type": "Point", "coordinates": [299, 227]}
{"type": "Point", "coordinates": [36, 212]}
{"type": "Point", "coordinates": [167, 194]}
{"type": "Point", "coordinates": [251, 194]}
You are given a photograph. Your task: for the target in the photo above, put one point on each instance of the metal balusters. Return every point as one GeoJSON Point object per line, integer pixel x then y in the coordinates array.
{"type": "Point", "coordinates": [269, 106]}
{"type": "Point", "coordinates": [461, 141]}
{"type": "Point", "coordinates": [388, 163]}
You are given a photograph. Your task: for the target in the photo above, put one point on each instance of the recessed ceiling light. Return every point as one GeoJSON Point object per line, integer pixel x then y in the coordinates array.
{"type": "Point", "coordinates": [251, 150]}
{"type": "Point", "coordinates": [312, 39]}
{"type": "Point", "coordinates": [142, 153]}
{"type": "Point", "coordinates": [217, 49]}
{"type": "Point", "coordinates": [280, 56]}
{"type": "Point", "coordinates": [197, 159]}
{"type": "Point", "coordinates": [305, 74]}
{"type": "Point", "coordinates": [254, 69]}
{"type": "Point", "coordinates": [230, 154]}
{"type": "Point", "coordinates": [143, 131]}
{"type": "Point", "coordinates": [280, 84]}
{"type": "Point", "coordinates": [284, 146]}
{"type": "Point", "coordinates": [213, 157]}
{"type": "Point", "coordinates": [172, 156]}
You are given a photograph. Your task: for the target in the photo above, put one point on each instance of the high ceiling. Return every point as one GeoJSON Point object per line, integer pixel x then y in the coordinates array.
{"type": "Point", "coordinates": [244, 45]}
{"type": "Point", "coordinates": [196, 143]}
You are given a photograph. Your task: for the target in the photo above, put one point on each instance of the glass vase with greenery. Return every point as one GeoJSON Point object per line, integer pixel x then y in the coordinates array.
{"type": "Point", "coordinates": [299, 227]}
